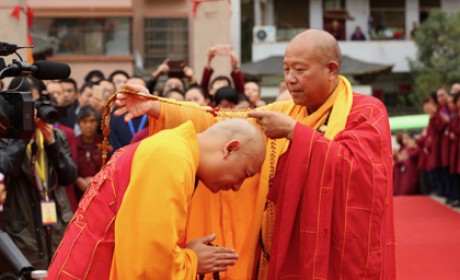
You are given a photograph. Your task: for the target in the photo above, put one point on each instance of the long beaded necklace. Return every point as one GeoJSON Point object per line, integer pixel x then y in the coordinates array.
{"type": "Point", "coordinates": [268, 223]}
{"type": "Point", "coordinates": [220, 114]}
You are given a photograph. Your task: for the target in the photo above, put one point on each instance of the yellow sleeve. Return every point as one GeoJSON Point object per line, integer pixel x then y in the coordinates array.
{"type": "Point", "coordinates": [152, 217]}
{"type": "Point", "coordinates": [175, 113]}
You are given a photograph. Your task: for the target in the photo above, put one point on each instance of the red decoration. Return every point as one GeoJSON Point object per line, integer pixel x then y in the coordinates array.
{"type": "Point", "coordinates": [16, 13]}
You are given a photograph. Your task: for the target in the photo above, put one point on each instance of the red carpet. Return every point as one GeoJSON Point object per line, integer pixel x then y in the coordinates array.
{"type": "Point", "coordinates": [427, 239]}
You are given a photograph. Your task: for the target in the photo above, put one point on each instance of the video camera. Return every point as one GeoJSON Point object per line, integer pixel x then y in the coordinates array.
{"type": "Point", "coordinates": [17, 107]}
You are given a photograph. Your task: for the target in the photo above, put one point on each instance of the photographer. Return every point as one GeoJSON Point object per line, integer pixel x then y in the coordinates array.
{"type": "Point", "coordinates": [176, 71]}
{"type": "Point", "coordinates": [36, 210]}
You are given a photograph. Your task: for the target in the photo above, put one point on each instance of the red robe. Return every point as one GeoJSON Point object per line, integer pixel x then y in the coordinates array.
{"type": "Point", "coordinates": [454, 127]}
{"type": "Point", "coordinates": [441, 128]}
{"type": "Point", "coordinates": [432, 143]}
{"type": "Point", "coordinates": [334, 207]}
{"type": "Point", "coordinates": [406, 175]}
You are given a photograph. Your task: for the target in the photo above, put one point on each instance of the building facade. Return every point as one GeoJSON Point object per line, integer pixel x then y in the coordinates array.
{"type": "Point", "coordinates": [134, 35]}
{"type": "Point", "coordinates": [387, 26]}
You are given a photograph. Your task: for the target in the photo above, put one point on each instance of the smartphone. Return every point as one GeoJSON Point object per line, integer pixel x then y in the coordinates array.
{"type": "Point", "coordinates": [176, 68]}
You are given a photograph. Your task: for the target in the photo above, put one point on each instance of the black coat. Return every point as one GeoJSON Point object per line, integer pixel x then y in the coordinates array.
{"type": "Point", "coordinates": [22, 214]}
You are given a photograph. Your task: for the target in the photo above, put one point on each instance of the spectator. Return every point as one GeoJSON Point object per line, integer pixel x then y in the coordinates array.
{"type": "Point", "coordinates": [86, 92]}
{"type": "Point", "coordinates": [226, 98]}
{"type": "Point", "coordinates": [174, 77]}
{"type": "Point", "coordinates": [94, 76]}
{"type": "Point", "coordinates": [118, 78]}
{"type": "Point", "coordinates": [336, 29]}
{"type": "Point", "coordinates": [175, 94]}
{"type": "Point", "coordinates": [89, 159]}
{"type": "Point", "coordinates": [358, 35]}
{"type": "Point", "coordinates": [252, 90]}
{"type": "Point", "coordinates": [195, 94]}
{"type": "Point", "coordinates": [413, 30]}
{"type": "Point", "coordinates": [70, 99]}
{"type": "Point", "coordinates": [218, 82]}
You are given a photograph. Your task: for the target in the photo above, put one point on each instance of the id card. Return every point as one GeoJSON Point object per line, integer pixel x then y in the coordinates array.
{"type": "Point", "coordinates": [49, 215]}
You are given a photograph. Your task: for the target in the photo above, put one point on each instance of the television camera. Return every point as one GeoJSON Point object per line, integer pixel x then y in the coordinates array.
{"type": "Point", "coordinates": [17, 107]}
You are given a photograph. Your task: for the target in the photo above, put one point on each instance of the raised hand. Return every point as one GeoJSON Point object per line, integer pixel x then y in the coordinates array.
{"type": "Point", "coordinates": [134, 105]}
{"type": "Point", "coordinates": [212, 258]}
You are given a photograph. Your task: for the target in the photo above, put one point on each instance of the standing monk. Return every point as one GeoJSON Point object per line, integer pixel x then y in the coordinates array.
{"type": "Point", "coordinates": [329, 210]}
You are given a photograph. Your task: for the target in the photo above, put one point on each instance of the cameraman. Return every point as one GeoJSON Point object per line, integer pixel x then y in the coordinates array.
{"type": "Point", "coordinates": [36, 210]}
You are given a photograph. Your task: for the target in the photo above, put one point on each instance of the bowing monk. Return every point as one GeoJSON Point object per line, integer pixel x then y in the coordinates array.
{"type": "Point", "coordinates": [326, 210]}
{"type": "Point", "coordinates": [131, 222]}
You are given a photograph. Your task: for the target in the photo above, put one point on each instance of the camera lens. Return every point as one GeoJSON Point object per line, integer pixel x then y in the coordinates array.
{"type": "Point", "coordinates": [48, 114]}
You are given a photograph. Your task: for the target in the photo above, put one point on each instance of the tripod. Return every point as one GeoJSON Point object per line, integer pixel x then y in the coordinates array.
{"type": "Point", "coordinates": [21, 267]}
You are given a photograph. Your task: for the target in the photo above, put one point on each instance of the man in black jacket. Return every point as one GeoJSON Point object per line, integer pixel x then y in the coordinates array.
{"type": "Point", "coordinates": [36, 210]}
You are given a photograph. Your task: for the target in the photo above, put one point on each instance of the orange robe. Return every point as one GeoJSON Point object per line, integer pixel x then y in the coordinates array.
{"type": "Point", "coordinates": [133, 216]}
{"type": "Point", "coordinates": [236, 217]}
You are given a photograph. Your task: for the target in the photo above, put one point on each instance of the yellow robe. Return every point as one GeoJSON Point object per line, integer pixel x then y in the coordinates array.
{"type": "Point", "coordinates": [236, 217]}
{"type": "Point", "coordinates": [152, 218]}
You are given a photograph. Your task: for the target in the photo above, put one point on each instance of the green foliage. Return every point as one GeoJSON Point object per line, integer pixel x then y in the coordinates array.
{"type": "Point", "coordinates": [438, 42]}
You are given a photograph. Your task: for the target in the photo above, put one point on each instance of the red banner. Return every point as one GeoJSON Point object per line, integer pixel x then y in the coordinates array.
{"type": "Point", "coordinates": [16, 13]}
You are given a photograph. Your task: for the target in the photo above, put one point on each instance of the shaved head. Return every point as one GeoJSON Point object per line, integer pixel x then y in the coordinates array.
{"type": "Point", "coordinates": [230, 151]}
{"type": "Point", "coordinates": [321, 43]}
{"type": "Point", "coordinates": [311, 67]}
{"type": "Point", "coordinates": [247, 133]}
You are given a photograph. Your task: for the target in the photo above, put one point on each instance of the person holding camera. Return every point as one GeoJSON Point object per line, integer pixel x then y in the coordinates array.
{"type": "Point", "coordinates": [210, 88]}
{"type": "Point", "coordinates": [37, 209]}
{"type": "Point", "coordinates": [176, 71]}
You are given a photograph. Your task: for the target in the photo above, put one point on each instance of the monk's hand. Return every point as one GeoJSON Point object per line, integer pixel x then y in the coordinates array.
{"type": "Point", "coordinates": [212, 258]}
{"type": "Point", "coordinates": [274, 124]}
{"type": "Point", "coordinates": [134, 105]}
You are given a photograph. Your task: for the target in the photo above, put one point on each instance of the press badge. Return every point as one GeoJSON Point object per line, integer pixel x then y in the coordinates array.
{"type": "Point", "coordinates": [49, 215]}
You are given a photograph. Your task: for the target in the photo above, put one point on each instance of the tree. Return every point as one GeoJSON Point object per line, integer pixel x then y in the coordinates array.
{"type": "Point", "coordinates": [438, 64]}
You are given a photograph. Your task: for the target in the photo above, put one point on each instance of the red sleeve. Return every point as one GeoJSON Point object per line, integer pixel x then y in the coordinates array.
{"type": "Point", "coordinates": [238, 80]}
{"type": "Point", "coordinates": [205, 78]}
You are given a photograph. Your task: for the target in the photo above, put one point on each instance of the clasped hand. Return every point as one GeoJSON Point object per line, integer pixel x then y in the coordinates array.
{"type": "Point", "coordinates": [212, 258]}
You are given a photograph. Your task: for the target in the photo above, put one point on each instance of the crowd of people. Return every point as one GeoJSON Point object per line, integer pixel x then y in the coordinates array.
{"type": "Point", "coordinates": [430, 163]}
{"type": "Point", "coordinates": [314, 195]}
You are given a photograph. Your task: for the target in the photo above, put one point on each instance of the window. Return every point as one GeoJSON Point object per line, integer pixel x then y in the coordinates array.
{"type": "Point", "coordinates": [334, 5]}
{"type": "Point", "coordinates": [165, 38]}
{"type": "Point", "coordinates": [387, 19]}
{"type": "Point", "coordinates": [86, 36]}
{"type": "Point", "coordinates": [335, 17]}
{"type": "Point", "coordinates": [426, 6]}
{"type": "Point", "coordinates": [290, 21]}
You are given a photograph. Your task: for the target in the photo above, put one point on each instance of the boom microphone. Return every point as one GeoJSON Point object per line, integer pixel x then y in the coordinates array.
{"type": "Point", "coordinates": [43, 70]}
{"type": "Point", "coordinates": [49, 70]}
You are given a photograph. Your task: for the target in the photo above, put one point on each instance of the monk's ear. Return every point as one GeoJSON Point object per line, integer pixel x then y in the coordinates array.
{"type": "Point", "coordinates": [231, 147]}
{"type": "Point", "coordinates": [333, 68]}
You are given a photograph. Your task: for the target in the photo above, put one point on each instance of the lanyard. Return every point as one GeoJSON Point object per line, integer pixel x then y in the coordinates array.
{"type": "Point", "coordinates": [141, 125]}
{"type": "Point", "coordinates": [40, 164]}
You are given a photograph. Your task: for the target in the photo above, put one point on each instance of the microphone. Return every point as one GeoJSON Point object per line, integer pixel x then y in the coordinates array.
{"type": "Point", "coordinates": [50, 70]}
{"type": "Point", "coordinates": [43, 70]}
